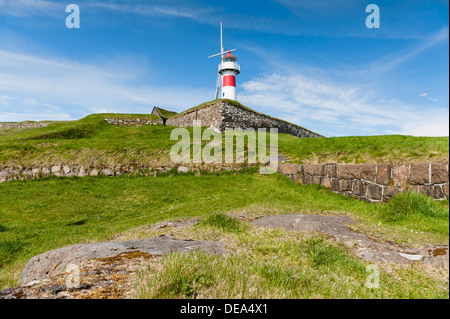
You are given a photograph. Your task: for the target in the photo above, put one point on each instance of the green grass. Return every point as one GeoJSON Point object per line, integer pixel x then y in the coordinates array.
{"type": "Point", "coordinates": [222, 221]}
{"type": "Point", "coordinates": [419, 209]}
{"type": "Point", "coordinates": [40, 215]}
{"type": "Point", "coordinates": [385, 149]}
{"type": "Point", "coordinates": [91, 141]}
{"type": "Point", "coordinates": [275, 263]}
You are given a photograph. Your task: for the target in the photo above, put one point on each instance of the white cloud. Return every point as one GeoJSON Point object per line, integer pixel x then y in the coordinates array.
{"type": "Point", "coordinates": [151, 10]}
{"type": "Point", "coordinates": [45, 88]}
{"type": "Point", "coordinates": [336, 109]}
{"type": "Point", "coordinates": [25, 8]}
{"type": "Point", "coordinates": [392, 61]}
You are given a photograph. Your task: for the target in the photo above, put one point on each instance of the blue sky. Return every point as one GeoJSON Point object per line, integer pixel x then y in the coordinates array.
{"type": "Point", "coordinates": [311, 62]}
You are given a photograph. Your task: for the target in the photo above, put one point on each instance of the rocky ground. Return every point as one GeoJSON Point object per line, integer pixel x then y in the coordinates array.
{"type": "Point", "coordinates": [109, 269]}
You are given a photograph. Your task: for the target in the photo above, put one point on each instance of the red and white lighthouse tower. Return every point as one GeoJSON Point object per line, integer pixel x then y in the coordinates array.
{"type": "Point", "coordinates": [228, 69]}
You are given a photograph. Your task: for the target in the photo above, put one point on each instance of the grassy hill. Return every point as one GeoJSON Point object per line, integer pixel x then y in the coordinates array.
{"type": "Point", "coordinates": [40, 215]}
{"type": "Point", "coordinates": [44, 214]}
{"type": "Point", "coordinates": [92, 141]}
{"type": "Point", "coordinates": [88, 141]}
{"type": "Point", "coordinates": [383, 149]}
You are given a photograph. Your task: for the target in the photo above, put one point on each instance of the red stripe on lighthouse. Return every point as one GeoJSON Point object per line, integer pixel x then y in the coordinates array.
{"type": "Point", "coordinates": [229, 80]}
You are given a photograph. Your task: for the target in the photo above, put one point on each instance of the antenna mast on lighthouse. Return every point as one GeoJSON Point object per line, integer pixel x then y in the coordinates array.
{"type": "Point", "coordinates": [228, 69]}
{"type": "Point", "coordinates": [221, 38]}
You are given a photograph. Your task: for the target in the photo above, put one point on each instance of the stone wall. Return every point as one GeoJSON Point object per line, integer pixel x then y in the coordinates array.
{"type": "Point", "coordinates": [210, 116]}
{"type": "Point", "coordinates": [222, 115]}
{"type": "Point", "coordinates": [25, 173]}
{"type": "Point", "coordinates": [238, 117]}
{"type": "Point", "coordinates": [373, 182]}
{"type": "Point", "coordinates": [22, 173]}
{"type": "Point", "coordinates": [133, 122]}
{"type": "Point", "coordinates": [24, 125]}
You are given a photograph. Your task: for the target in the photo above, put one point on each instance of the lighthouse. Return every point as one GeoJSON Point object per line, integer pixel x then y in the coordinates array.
{"type": "Point", "coordinates": [228, 69]}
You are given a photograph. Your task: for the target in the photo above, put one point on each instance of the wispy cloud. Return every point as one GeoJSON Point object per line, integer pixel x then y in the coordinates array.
{"type": "Point", "coordinates": [157, 8]}
{"type": "Point", "coordinates": [336, 109]}
{"type": "Point", "coordinates": [25, 8]}
{"type": "Point", "coordinates": [394, 60]}
{"type": "Point", "coordinates": [308, 18]}
{"type": "Point", "coordinates": [32, 87]}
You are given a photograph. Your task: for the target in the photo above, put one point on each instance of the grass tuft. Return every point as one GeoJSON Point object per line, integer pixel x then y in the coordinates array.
{"type": "Point", "coordinates": [223, 222]}
{"type": "Point", "coordinates": [409, 204]}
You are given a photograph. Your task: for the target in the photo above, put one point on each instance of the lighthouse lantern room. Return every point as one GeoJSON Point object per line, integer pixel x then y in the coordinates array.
{"type": "Point", "coordinates": [228, 69]}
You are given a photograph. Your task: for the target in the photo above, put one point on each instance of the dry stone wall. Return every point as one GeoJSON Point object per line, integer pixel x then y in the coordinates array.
{"type": "Point", "coordinates": [210, 116]}
{"type": "Point", "coordinates": [25, 173]}
{"type": "Point", "coordinates": [24, 125]}
{"type": "Point", "coordinates": [132, 122]}
{"type": "Point", "coordinates": [222, 115]}
{"type": "Point", "coordinates": [372, 182]}
{"type": "Point", "coordinates": [239, 117]}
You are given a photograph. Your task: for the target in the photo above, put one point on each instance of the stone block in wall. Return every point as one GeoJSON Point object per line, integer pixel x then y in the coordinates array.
{"type": "Point", "coordinates": [435, 191]}
{"type": "Point", "coordinates": [286, 169]}
{"type": "Point", "coordinates": [439, 173]}
{"type": "Point", "coordinates": [335, 184]}
{"type": "Point", "coordinates": [445, 189]}
{"type": "Point", "coordinates": [55, 169]}
{"type": "Point", "coordinates": [345, 185]}
{"type": "Point", "coordinates": [35, 171]}
{"type": "Point", "coordinates": [374, 191]}
{"type": "Point", "coordinates": [317, 180]}
{"type": "Point", "coordinates": [369, 172]}
{"type": "Point", "coordinates": [438, 193]}
{"type": "Point", "coordinates": [426, 189]}
{"type": "Point", "coordinates": [419, 174]}
{"type": "Point", "coordinates": [4, 174]}
{"type": "Point", "coordinates": [26, 172]}
{"type": "Point", "coordinates": [81, 172]}
{"type": "Point", "coordinates": [296, 168]}
{"type": "Point", "coordinates": [326, 182]}
{"type": "Point", "coordinates": [312, 169]}
{"type": "Point", "coordinates": [349, 171]}
{"type": "Point", "coordinates": [306, 179]}
{"type": "Point", "coordinates": [383, 174]}
{"type": "Point", "coordinates": [93, 172]}
{"type": "Point", "coordinates": [108, 172]}
{"type": "Point", "coordinates": [331, 171]}
{"type": "Point", "coordinates": [290, 169]}
{"type": "Point", "coordinates": [400, 173]}
{"type": "Point", "coordinates": [359, 187]}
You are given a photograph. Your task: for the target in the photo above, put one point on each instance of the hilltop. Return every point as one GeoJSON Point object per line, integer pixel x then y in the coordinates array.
{"type": "Point", "coordinates": [92, 141]}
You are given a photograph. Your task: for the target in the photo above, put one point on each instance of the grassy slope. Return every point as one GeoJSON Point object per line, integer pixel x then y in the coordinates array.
{"type": "Point", "coordinates": [383, 149]}
{"type": "Point", "coordinates": [92, 141]}
{"type": "Point", "coordinates": [40, 215]}
{"type": "Point", "coordinates": [88, 141]}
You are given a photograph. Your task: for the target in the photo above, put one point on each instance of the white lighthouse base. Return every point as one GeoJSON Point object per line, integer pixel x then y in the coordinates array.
{"type": "Point", "coordinates": [229, 92]}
